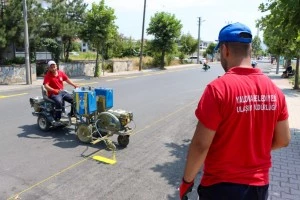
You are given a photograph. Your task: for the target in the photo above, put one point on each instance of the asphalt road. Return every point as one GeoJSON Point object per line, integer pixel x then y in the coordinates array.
{"type": "Point", "coordinates": [55, 165]}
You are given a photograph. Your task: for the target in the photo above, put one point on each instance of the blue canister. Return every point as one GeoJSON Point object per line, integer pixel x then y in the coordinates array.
{"type": "Point", "coordinates": [106, 94]}
{"type": "Point", "coordinates": [85, 101]}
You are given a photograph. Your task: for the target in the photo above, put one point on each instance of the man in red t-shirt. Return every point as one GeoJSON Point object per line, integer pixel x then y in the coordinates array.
{"type": "Point", "coordinates": [53, 82]}
{"type": "Point", "coordinates": [242, 117]}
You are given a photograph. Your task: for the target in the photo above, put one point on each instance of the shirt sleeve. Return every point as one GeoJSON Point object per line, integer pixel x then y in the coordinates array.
{"type": "Point", "coordinates": [46, 79]}
{"type": "Point", "coordinates": [64, 76]}
{"type": "Point", "coordinates": [208, 110]}
{"type": "Point", "coordinates": [284, 114]}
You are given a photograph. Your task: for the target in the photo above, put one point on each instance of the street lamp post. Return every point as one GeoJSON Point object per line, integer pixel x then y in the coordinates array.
{"type": "Point", "coordinates": [199, 27]}
{"type": "Point", "coordinates": [26, 44]}
{"type": "Point", "coordinates": [142, 40]}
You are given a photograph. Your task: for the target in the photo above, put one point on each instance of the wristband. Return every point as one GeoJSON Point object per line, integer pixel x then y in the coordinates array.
{"type": "Point", "coordinates": [185, 188]}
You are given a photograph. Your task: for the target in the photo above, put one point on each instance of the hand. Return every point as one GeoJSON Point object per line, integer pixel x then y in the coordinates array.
{"type": "Point", "coordinates": [56, 91]}
{"type": "Point", "coordinates": [185, 188]}
{"type": "Point", "coordinates": [75, 86]}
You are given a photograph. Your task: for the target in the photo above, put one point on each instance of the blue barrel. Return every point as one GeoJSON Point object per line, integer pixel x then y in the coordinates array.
{"type": "Point", "coordinates": [85, 101]}
{"type": "Point", "coordinates": [106, 95]}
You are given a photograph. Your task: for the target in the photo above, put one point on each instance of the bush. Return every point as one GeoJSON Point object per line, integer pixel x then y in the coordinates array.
{"type": "Point", "coordinates": [16, 60]}
{"type": "Point", "coordinates": [41, 69]}
{"type": "Point", "coordinates": [108, 66]}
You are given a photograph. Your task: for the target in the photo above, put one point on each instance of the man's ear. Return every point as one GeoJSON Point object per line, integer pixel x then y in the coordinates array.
{"type": "Point", "coordinates": [225, 50]}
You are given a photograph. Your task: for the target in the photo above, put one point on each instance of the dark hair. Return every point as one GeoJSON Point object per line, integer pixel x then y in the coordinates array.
{"type": "Point", "coordinates": [238, 48]}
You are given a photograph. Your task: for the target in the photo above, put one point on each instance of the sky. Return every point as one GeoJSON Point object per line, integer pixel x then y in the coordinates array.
{"type": "Point", "coordinates": [214, 15]}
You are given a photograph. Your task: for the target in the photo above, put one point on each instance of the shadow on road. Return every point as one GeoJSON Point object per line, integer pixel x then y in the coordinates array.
{"type": "Point", "coordinates": [61, 137]}
{"type": "Point", "coordinates": [173, 171]}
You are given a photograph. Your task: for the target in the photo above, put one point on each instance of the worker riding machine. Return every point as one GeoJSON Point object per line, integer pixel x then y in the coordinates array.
{"type": "Point", "coordinates": [94, 119]}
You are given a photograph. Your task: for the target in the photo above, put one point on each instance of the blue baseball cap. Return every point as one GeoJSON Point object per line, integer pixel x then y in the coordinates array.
{"type": "Point", "coordinates": [235, 32]}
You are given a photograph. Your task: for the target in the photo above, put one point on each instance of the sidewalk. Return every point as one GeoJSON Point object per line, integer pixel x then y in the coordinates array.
{"type": "Point", "coordinates": [285, 172]}
{"type": "Point", "coordinates": [39, 81]}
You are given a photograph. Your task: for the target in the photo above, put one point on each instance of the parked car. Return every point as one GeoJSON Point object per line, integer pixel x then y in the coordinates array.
{"type": "Point", "coordinates": [73, 53]}
{"type": "Point", "coordinates": [193, 59]}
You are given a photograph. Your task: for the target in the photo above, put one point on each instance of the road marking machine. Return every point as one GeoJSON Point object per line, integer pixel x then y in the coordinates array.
{"type": "Point", "coordinates": [94, 119]}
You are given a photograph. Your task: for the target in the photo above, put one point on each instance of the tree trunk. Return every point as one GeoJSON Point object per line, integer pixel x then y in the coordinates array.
{"type": "Point", "coordinates": [162, 60]}
{"type": "Point", "coordinates": [102, 65]}
{"type": "Point", "coordinates": [296, 86]}
{"type": "Point", "coordinates": [97, 73]}
{"type": "Point", "coordinates": [69, 42]}
{"type": "Point", "coordinates": [277, 63]}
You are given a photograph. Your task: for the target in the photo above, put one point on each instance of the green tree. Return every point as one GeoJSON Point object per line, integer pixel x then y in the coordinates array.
{"type": "Point", "coordinates": [281, 29]}
{"type": "Point", "coordinates": [187, 44]}
{"type": "Point", "coordinates": [256, 46]}
{"type": "Point", "coordinates": [100, 29]}
{"type": "Point", "coordinates": [211, 50]}
{"type": "Point", "coordinates": [72, 24]}
{"type": "Point", "coordinates": [166, 30]}
{"type": "Point", "coordinates": [12, 23]}
{"type": "Point", "coordinates": [63, 21]}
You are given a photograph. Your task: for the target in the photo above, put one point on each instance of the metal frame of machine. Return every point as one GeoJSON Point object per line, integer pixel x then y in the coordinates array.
{"type": "Point", "coordinates": [95, 121]}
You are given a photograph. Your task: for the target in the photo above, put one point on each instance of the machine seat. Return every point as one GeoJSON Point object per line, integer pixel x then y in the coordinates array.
{"type": "Point", "coordinates": [45, 95]}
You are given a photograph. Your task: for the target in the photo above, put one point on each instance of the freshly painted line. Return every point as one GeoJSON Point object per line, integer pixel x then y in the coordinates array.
{"type": "Point", "coordinates": [166, 117]}
{"type": "Point", "coordinates": [113, 79]}
{"type": "Point", "coordinates": [128, 77]}
{"type": "Point", "coordinates": [17, 196]}
{"type": "Point", "coordinates": [13, 95]}
{"type": "Point", "coordinates": [90, 83]}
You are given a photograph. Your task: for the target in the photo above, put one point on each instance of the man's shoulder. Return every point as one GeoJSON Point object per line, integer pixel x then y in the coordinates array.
{"type": "Point", "coordinates": [61, 73]}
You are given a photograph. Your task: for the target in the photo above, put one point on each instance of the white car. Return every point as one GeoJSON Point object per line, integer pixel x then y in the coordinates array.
{"type": "Point", "coordinates": [74, 53]}
{"type": "Point", "coordinates": [193, 59]}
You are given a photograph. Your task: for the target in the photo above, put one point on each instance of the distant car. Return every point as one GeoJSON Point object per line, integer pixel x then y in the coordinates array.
{"type": "Point", "coordinates": [202, 60]}
{"type": "Point", "coordinates": [73, 53]}
{"type": "Point", "coordinates": [193, 59]}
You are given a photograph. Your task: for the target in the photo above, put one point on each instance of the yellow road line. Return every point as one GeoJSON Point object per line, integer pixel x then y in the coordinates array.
{"type": "Point", "coordinates": [90, 83]}
{"type": "Point", "coordinates": [113, 79]}
{"type": "Point", "coordinates": [131, 77]}
{"type": "Point", "coordinates": [13, 95]}
{"type": "Point", "coordinates": [150, 74]}
{"type": "Point", "coordinates": [17, 196]}
{"type": "Point", "coordinates": [164, 118]}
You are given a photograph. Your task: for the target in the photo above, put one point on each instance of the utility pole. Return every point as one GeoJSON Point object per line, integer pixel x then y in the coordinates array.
{"type": "Point", "coordinates": [26, 43]}
{"type": "Point", "coordinates": [142, 40]}
{"type": "Point", "coordinates": [199, 41]}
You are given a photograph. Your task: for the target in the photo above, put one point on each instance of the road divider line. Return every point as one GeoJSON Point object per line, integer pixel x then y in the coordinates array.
{"type": "Point", "coordinates": [91, 83]}
{"type": "Point", "coordinates": [128, 77]}
{"type": "Point", "coordinates": [165, 117]}
{"type": "Point", "coordinates": [115, 79]}
{"type": "Point", "coordinates": [17, 196]}
{"type": "Point", "coordinates": [13, 95]}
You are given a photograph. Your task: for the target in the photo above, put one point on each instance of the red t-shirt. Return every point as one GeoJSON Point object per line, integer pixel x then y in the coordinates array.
{"type": "Point", "coordinates": [55, 82]}
{"type": "Point", "coordinates": [243, 107]}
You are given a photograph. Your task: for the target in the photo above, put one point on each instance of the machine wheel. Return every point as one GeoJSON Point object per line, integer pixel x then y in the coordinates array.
{"type": "Point", "coordinates": [108, 122]}
{"type": "Point", "coordinates": [123, 140]}
{"type": "Point", "coordinates": [84, 133]}
{"type": "Point", "coordinates": [43, 123]}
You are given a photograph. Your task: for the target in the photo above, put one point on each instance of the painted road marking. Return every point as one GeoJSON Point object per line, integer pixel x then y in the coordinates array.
{"type": "Point", "coordinates": [98, 151]}
{"type": "Point", "coordinates": [128, 77]}
{"type": "Point", "coordinates": [149, 74]}
{"type": "Point", "coordinates": [13, 95]}
{"type": "Point", "coordinates": [115, 79]}
{"type": "Point", "coordinates": [90, 83]}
